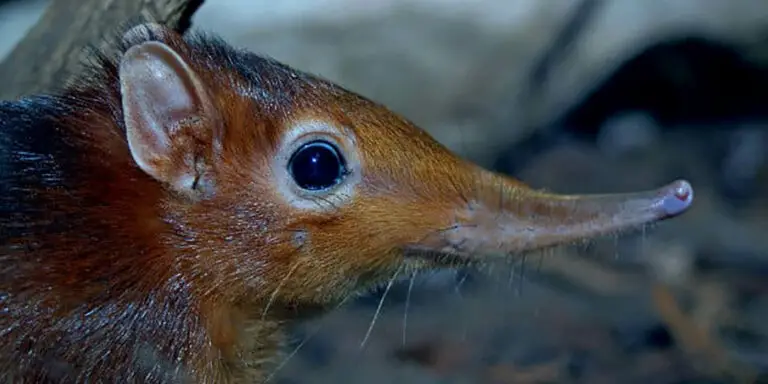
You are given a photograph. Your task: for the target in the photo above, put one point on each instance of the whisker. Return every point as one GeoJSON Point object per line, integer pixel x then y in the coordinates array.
{"type": "Point", "coordinates": [306, 339]}
{"type": "Point", "coordinates": [522, 275]}
{"type": "Point", "coordinates": [407, 305]}
{"type": "Point", "coordinates": [277, 289]}
{"type": "Point", "coordinates": [511, 276]}
{"type": "Point", "coordinates": [457, 288]}
{"type": "Point", "coordinates": [549, 252]}
{"type": "Point", "coordinates": [378, 309]}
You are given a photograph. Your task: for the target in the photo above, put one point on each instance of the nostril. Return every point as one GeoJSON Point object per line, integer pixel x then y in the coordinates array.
{"type": "Point", "coordinates": [683, 191]}
{"type": "Point", "coordinates": [678, 198]}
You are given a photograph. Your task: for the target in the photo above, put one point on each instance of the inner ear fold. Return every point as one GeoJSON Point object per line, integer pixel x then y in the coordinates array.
{"type": "Point", "coordinates": [167, 114]}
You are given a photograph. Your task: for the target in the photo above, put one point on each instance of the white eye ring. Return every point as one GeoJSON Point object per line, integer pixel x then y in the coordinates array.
{"type": "Point", "coordinates": [301, 134]}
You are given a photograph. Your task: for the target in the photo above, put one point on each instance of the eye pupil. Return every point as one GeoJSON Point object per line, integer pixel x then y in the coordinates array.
{"type": "Point", "coordinates": [317, 165]}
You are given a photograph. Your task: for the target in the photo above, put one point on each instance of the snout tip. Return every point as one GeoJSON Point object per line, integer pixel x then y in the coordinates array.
{"type": "Point", "coordinates": [676, 198]}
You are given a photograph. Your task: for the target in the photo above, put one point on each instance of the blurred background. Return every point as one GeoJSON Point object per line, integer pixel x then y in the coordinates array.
{"type": "Point", "coordinates": [575, 96]}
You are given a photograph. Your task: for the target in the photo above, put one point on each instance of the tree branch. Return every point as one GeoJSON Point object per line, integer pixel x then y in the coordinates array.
{"type": "Point", "coordinates": [52, 51]}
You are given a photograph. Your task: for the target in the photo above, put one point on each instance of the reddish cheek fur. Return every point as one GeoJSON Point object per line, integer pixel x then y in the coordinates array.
{"type": "Point", "coordinates": [246, 238]}
{"type": "Point", "coordinates": [254, 237]}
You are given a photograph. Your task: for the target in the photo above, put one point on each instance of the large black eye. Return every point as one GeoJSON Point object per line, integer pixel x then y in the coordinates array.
{"type": "Point", "coordinates": [317, 165]}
